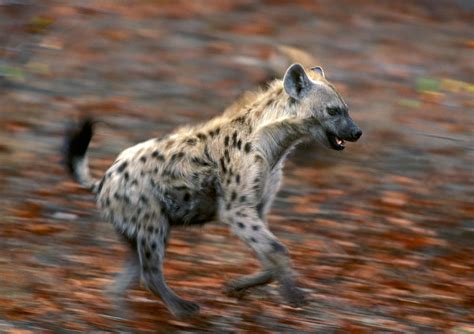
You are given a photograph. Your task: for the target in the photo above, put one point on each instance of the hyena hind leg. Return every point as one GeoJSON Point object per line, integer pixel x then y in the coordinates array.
{"type": "Point", "coordinates": [151, 244]}
{"type": "Point", "coordinates": [129, 275]}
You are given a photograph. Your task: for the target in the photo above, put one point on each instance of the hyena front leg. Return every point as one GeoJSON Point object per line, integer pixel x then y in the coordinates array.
{"type": "Point", "coordinates": [151, 245]}
{"type": "Point", "coordinates": [239, 286]}
{"type": "Point", "coordinates": [270, 193]}
{"type": "Point", "coordinates": [274, 256]}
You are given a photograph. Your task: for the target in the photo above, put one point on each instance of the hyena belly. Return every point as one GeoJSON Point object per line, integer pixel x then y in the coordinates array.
{"type": "Point", "coordinates": [130, 207]}
{"type": "Point", "coordinates": [190, 206]}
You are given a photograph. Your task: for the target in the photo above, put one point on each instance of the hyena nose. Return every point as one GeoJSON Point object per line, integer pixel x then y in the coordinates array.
{"type": "Point", "coordinates": [356, 133]}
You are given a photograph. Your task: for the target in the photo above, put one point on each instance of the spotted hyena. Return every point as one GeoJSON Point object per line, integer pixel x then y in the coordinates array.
{"type": "Point", "coordinates": [226, 170]}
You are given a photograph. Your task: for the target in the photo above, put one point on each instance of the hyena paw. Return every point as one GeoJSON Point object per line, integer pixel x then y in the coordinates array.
{"type": "Point", "coordinates": [234, 289]}
{"type": "Point", "coordinates": [184, 308]}
{"type": "Point", "coordinates": [294, 296]}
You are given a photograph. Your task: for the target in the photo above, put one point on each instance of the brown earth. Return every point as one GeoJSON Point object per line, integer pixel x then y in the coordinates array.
{"type": "Point", "coordinates": [381, 233]}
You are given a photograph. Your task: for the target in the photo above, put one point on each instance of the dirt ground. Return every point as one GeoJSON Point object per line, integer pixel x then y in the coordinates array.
{"type": "Point", "coordinates": [382, 234]}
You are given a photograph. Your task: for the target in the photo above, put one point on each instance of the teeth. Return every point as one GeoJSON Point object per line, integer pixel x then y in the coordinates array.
{"type": "Point", "coordinates": [338, 141]}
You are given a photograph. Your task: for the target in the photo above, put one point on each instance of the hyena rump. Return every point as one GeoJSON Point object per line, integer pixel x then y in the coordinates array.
{"type": "Point", "coordinates": [227, 170]}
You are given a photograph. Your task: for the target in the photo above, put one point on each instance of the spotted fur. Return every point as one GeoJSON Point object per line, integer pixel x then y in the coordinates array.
{"type": "Point", "coordinates": [226, 170]}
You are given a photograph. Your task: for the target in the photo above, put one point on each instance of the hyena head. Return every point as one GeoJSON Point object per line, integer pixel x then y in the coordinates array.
{"type": "Point", "coordinates": [321, 105]}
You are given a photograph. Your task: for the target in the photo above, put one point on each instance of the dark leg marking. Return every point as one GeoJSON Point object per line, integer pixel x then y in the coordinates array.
{"type": "Point", "coordinates": [278, 247]}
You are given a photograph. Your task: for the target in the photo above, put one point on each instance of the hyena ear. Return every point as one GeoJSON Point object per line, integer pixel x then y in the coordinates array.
{"type": "Point", "coordinates": [296, 82]}
{"type": "Point", "coordinates": [319, 70]}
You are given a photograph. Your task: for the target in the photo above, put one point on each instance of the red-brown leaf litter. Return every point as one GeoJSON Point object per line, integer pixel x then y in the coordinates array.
{"type": "Point", "coordinates": [382, 234]}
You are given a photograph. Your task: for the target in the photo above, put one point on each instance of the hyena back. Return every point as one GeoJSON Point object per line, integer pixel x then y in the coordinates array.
{"type": "Point", "coordinates": [227, 170]}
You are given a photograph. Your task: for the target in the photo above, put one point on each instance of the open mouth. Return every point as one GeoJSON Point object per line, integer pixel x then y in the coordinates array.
{"type": "Point", "coordinates": [336, 142]}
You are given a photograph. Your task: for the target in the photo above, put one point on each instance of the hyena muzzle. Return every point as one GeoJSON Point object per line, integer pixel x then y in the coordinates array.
{"type": "Point", "coordinates": [227, 170]}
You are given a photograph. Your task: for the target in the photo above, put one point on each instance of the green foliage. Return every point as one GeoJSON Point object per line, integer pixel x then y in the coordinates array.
{"type": "Point", "coordinates": [424, 84]}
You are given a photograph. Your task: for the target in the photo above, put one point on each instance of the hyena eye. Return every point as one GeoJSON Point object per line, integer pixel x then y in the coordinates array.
{"type": "Point", "coordinates": [333, 111]}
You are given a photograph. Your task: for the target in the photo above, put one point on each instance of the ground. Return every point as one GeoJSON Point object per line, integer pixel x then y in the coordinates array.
{"type": "Point", "coordinates": [381, 233]}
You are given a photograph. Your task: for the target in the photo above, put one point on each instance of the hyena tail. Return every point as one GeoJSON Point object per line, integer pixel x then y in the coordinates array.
{"type": "Point", "coordinates": [75, 157]}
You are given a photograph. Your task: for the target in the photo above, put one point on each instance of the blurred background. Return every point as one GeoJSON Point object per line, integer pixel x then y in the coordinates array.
{"type": "Point", "coordinates": [382, 233]}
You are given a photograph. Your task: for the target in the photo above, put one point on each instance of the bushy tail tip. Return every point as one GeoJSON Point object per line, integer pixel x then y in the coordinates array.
{"type": "Point", "coordinates": [75, 151]}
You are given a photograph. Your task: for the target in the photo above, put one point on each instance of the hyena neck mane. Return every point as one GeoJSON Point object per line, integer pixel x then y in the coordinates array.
{"type": "Point", "coordinates": [271, 106]}
{"type": "Point", "coordinates": [276, 127]}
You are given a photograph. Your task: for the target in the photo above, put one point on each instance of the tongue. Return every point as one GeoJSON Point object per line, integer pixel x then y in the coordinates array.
{"type": "Point", "coordinates": [339, 141]}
